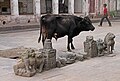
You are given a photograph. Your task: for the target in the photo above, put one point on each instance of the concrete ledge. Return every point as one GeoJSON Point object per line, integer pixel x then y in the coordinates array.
{"type": "Point", "coordinates": [34, 26]}
{"type": "Point", "coordinates": [9, 29]}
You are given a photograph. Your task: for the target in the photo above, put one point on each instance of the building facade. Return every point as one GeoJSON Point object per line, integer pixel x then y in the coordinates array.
{"type": "Point", "coordinates": [22, 11]}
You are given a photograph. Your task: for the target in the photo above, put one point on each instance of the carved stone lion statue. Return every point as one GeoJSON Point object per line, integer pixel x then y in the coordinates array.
{"type": "Point", "coordinates": [26, 66]}
{"type": "Point", "coordinates": [30, 63]}
{"type": "Point", "coordinates": [109, 42]}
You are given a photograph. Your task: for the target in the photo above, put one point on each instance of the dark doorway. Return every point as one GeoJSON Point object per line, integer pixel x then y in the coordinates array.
{"type": "Point", "coordinates": [25, 7]}
{"type": "Point", "coordinates": [92, 6]}
{"type": "Point", "coordinates": [63, 6]}
{"type": "Point", "coordinates": [48, 6]}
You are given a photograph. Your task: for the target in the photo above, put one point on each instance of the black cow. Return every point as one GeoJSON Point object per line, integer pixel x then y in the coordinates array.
{"type": "Point", "coordinates": [60, 25]}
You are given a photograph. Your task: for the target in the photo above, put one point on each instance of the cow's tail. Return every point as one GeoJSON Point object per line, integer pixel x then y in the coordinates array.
{"type": "Point", "coordinates": [40, 30]}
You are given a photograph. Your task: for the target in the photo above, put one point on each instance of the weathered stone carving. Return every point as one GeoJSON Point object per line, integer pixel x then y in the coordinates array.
{"type": "Point", "coordinates": [100, 47]}
{"type": "Point", "coordinates": [63, 61]}
{"type": "Point", "coordinates": [26, 66]}
{"type": "Point", "coordinates": [39, 57]}
{"type": "Point", "coordinates": [36, 61]}
{"type": "Point", "coordinates": [48, 44]}
{"type": "Point", "coordinates": [49, 55]}
{"type": "Point", "coordinates": [49, 58]}
{"type": "Point", "coordinates": [109, 42]}
{"type": "Point", "coordinates": [68, 58]}
{"type": "Point", "coordinates": [60, 62]}
{"type": "Point", "coordinates": [90, 47]}
{"type": "Point", "coordinates": [29, 64]}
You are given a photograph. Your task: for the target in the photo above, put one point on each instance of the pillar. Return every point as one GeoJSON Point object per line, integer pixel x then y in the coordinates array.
{"type": "Point", "coordinates": [108, 6]}
{"type": "Point", "coordinates": [37, 10]}
{"type": "Point", "coordinates": [71, 6]}
{"type": "Point", "coordinates": [118, 3]}
{"type": "Point", "coordinates": [14, 7]}
{"type": "Point", "coordinates": [55, 5]}
{"type": "Point", "coordinates": [86, 7]}
{"type": "Point", "coordinates": [97, 7]}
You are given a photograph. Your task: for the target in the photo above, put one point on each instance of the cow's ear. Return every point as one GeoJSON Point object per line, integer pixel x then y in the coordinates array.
{"type": "Point", "coordinates": [80, 22]}
{"type": "Point", "coordinates": [86, 17]}
{"type": "Point", "coordinates": [83, 19]}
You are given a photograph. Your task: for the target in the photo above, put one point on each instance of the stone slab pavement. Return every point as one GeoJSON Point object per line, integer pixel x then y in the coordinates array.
{"type": "Point", "coordinates": [95, 69]}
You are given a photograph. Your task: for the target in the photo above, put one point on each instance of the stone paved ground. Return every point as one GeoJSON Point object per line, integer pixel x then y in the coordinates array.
{"type": "Point", "coordinates": [95, 69]}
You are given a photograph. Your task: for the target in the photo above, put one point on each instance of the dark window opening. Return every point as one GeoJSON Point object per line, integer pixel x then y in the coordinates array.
{"type": "Point", "coordinates": [4, 9]}
{"type": "Point", "coordinates": [25, 7]}
{"type": "Point", "coordinates": [48, 6]}
{"type": "Point", "coordinates": [63, 6]}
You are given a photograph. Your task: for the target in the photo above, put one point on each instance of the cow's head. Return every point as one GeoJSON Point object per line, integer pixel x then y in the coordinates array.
{"type": "Point", "coordinates": [86, 24]}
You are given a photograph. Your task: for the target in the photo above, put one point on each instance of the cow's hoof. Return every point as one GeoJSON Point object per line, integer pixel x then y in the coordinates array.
{"type": "Point", "coordinates": [72, 48]}
{"type": "Point", "coordinates": [111, 52]}
{"type": "Point", "coordinates": [69, 50]}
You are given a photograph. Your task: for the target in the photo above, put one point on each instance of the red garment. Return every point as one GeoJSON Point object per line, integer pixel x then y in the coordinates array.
{"type": "Point", "coordinates": [105, 11]}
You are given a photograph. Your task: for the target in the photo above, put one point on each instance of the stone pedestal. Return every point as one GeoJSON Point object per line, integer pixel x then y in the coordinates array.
{"type": "Point", "coordinates": [49, 55]}
{"type": "Point", "coordinates": [50, 58]}
{"type": "Point", "coordinates": [48, 44]}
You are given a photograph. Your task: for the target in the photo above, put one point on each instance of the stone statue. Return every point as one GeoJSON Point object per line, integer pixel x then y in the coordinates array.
{"type": "Point", "coordinates": [33, 61]}
{"type": "Point", "coordinates": [65, 60]}
{"type": "Point", "coordinates": [61, 62]}
{"type": "Point", "coordinates": [30, 63]}
{"type": "Point", "coordinates": [100, 47]}
{"type": "Point", "coordinates": [90, 47]}
{"type": "Point", "coordinates": [109, 42]}
{"type": "Point", "coordinates": [68, 58]}
{"type": "Point", "coordinates": [49, 55]}
{"type": "Point", "coordinates": [26, 66]}
{"type": "Point", "coordinates": [39, 62]}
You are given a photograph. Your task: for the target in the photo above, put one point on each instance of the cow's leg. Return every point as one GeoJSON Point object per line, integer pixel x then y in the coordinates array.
{"type": "Point", "coordinates": [69, 41]}
{"type": "Point", "coordinates": [50, 34]}
{"type": "Point", "coordinates": [72, 46]}
{"type": "Point", "coordinates": [43, 39]}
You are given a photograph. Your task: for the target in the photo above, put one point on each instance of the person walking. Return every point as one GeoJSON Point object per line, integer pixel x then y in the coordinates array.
{"type": "Point", "coordinates": [105, 15]}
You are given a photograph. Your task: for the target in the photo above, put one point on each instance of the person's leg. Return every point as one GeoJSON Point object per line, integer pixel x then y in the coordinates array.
{"type": "Point", "coordinates": [101, 21]}
{"type": "Point", "coordinates": [108, 21]}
